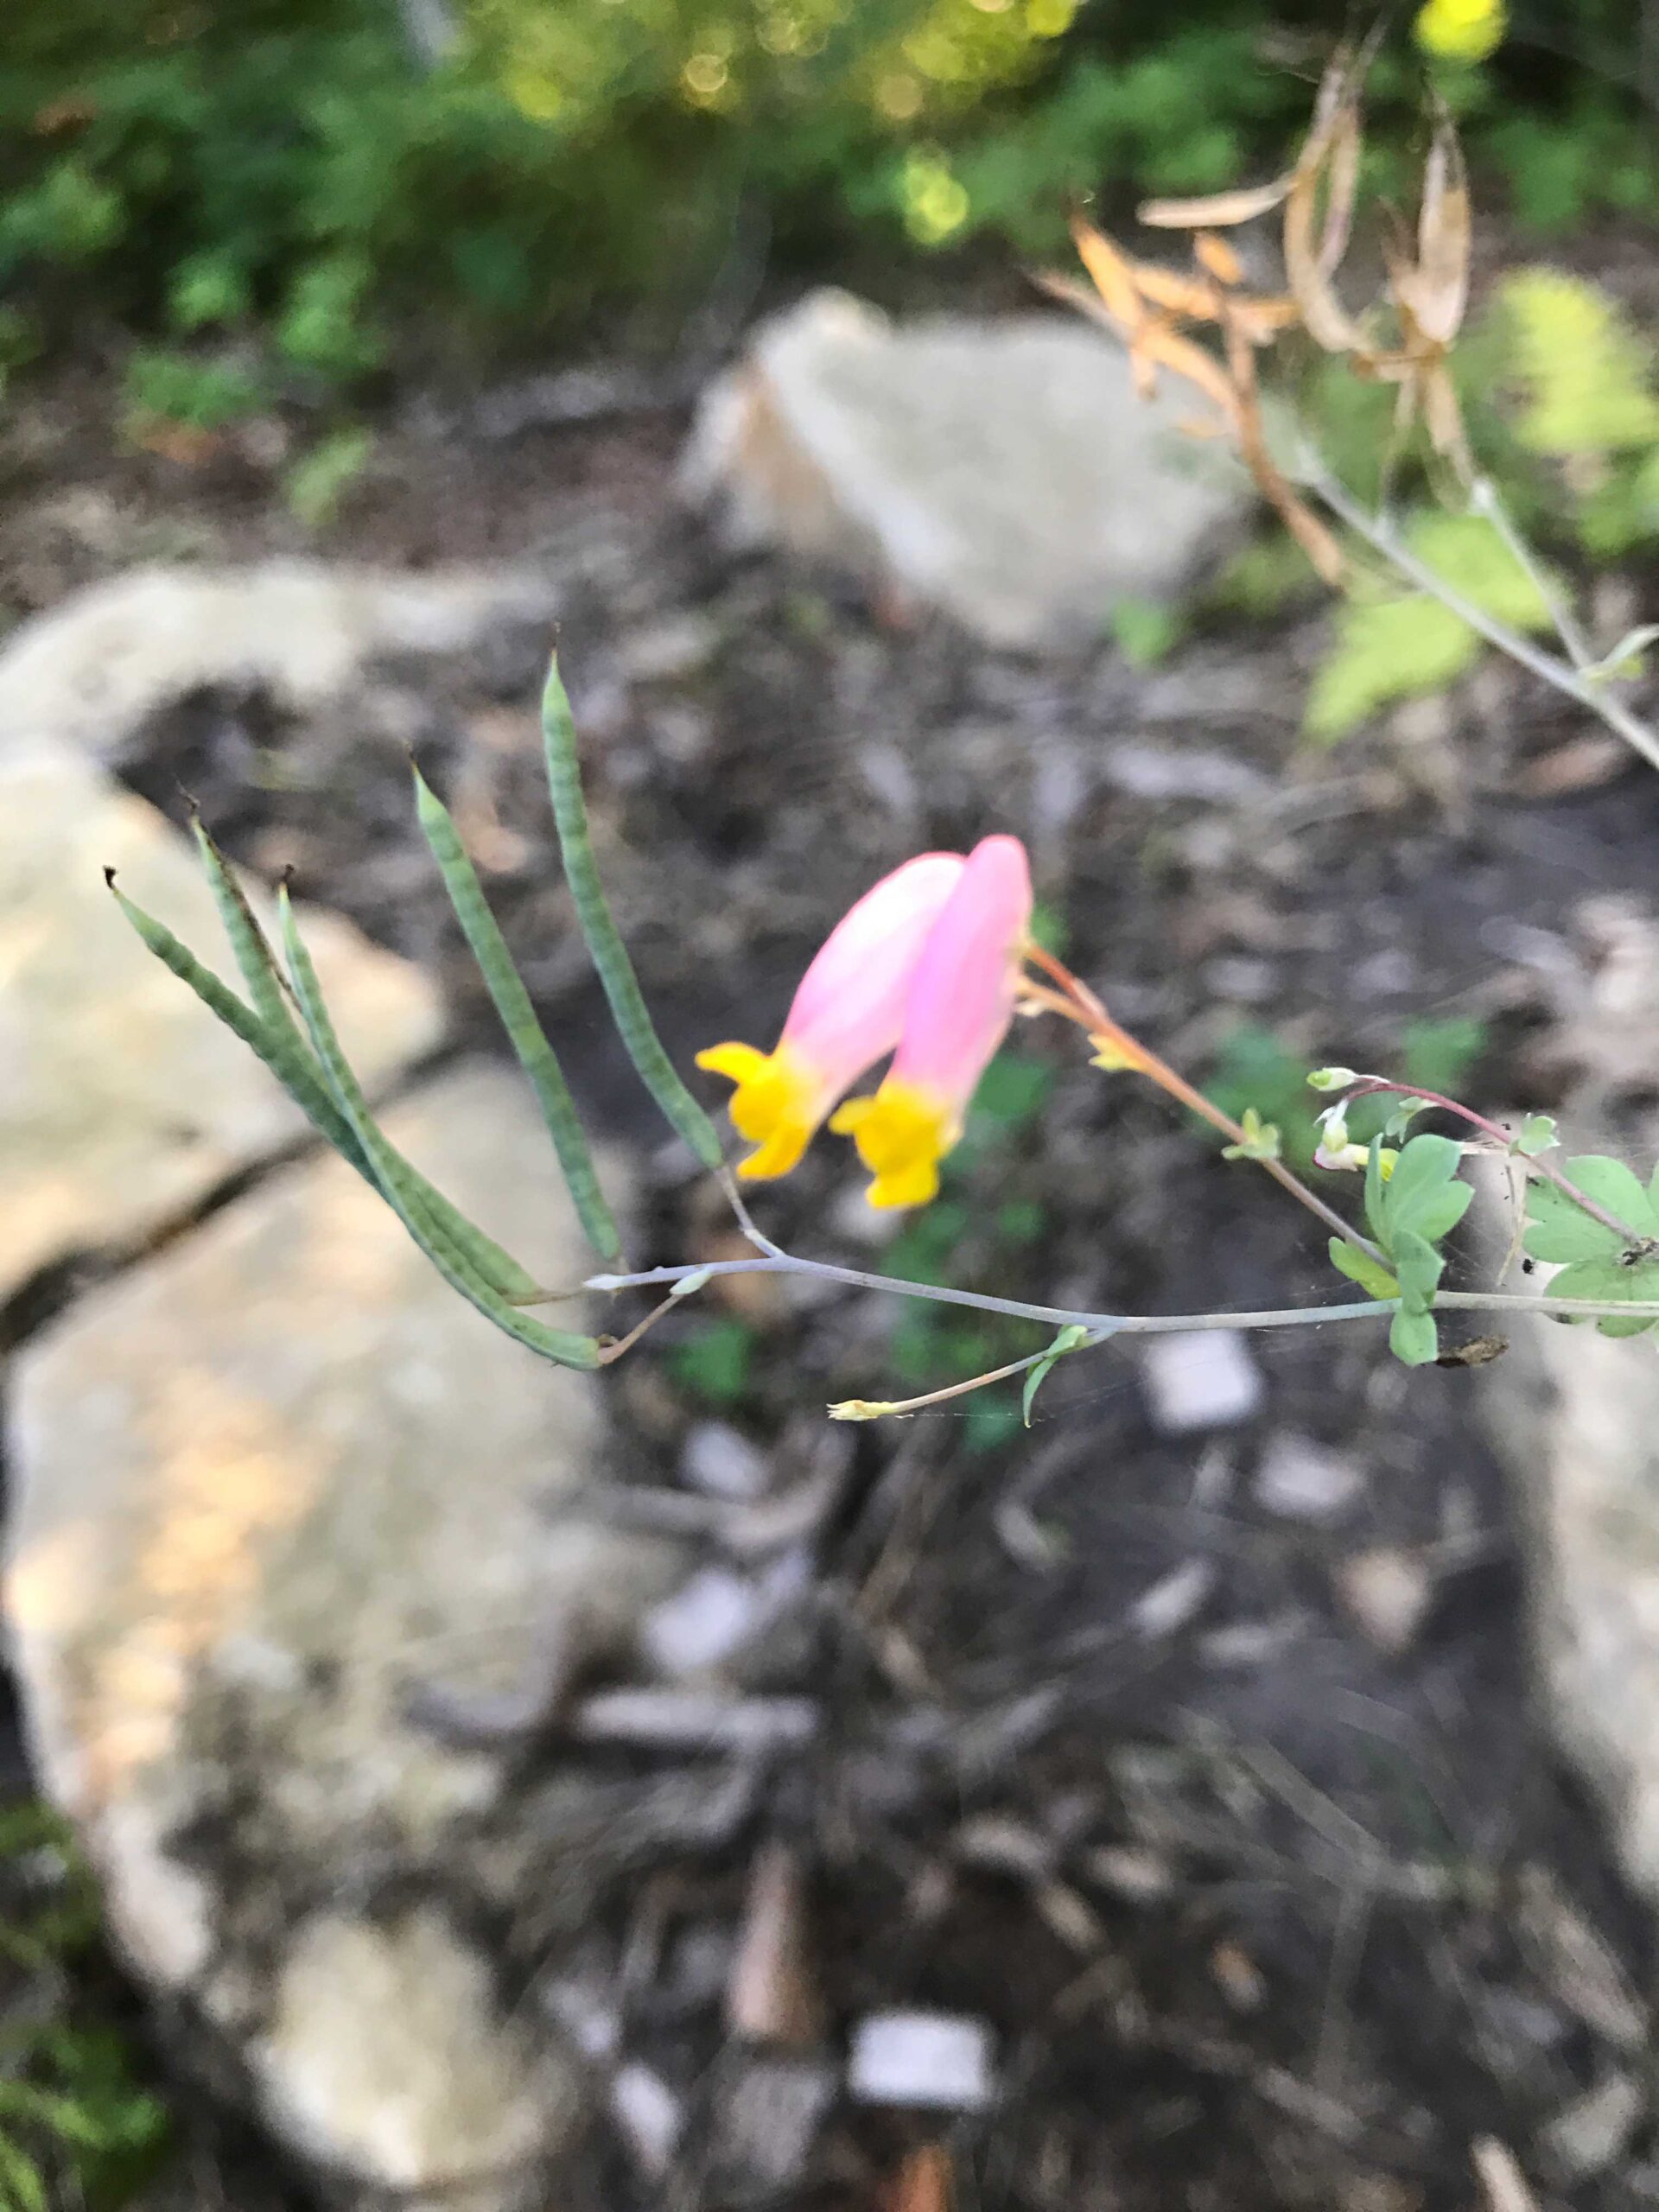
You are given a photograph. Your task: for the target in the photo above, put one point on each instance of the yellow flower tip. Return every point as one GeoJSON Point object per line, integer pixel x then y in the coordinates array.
{"type": "Point", "coordinates": [861, 1409]}
{"type": "Point", "coordinates": [1460, 30]}
{"type": "Point", "coordinates": [1114, 1056]}
{"type": "Point", "coordinates": [774, 1105]}
{"type": "Point", "coordinates": [902, 1134]}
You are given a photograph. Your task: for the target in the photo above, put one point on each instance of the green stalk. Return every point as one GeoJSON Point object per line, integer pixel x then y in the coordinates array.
{"type": "Point", "coordinates": [529, 1039]}
{"type": "Point", "coordinates": [604, 942]}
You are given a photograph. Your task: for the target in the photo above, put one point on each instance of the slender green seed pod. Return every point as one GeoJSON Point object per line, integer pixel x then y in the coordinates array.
{"type": "Point", "coordinates": [396, 1179]}
{"type": "Point", "coordinates": [513, 1003]}
{"type": "Point", "coordinates": [284, 1049]}
{"type": "Point", "coordinates": [605, 945]}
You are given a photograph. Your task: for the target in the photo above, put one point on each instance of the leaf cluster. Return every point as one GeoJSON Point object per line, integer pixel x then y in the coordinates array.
{"type": "Point", "coordinates": [1597, 1261]}
{"type": "Point", "coordinates": [1410, 1211]}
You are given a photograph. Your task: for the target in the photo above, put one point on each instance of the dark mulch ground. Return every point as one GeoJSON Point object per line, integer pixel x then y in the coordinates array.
{"type": "Point", "coordinates": [1263, 1909]}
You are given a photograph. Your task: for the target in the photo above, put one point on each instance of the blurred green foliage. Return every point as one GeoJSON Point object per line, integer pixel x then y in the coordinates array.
{"type": "Point", "coordinates": [1561, 395]}
{"type": "Point", "coordinates": [288, 187]}
{"type": "Point", "coordinates": [77, 2126]}
{"type": "Point", "coordinates": [1255, 1068]}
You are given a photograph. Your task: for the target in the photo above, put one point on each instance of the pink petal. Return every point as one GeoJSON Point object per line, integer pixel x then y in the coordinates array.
{"type": "Point", "coordinates": [962, 999]}
{"type": "Point", "coordinates": [850, 1009]}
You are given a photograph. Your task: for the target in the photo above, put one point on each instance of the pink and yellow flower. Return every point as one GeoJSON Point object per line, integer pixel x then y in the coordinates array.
{"type": "Point", "coordinates": [926, 966]}
{"type": "Point", "coordinates": [960, 1003]}
{"type": "Point", "coordinates": [848, 1013]}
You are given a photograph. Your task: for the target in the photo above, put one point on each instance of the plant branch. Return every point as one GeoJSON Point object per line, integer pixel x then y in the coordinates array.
{"type": "Point", "coordinates": [1078, 1003]}
{"type": "Point", "coordinates": [1376, 1086]}
{"type": "Point", "coordinates": [1103, 1325]}
{"type": "Point", "coordinates": [1382, 539]}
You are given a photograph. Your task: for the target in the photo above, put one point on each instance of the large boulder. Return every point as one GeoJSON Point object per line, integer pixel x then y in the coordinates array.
{"type": "Point", "coordinates": [1004, 470]}
{"type": "Point", "coordinates": [270, 1487]}
{"type": "Point", "coordinates": [1575, 1414]}
{"type": "Point", "coordinates": [90, 670]}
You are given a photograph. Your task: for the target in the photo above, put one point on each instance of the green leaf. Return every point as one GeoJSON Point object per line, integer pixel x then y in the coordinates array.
{"type": "Point", "coordinates": [1068, 1339]}
{"type": "Point", "coordinates": [1437, 1213]}
{"type": "Point", "coordinates": [714, 1363]}
{"type": "Point", "coordinates": [1616, 1187]}
{"type": "Point", "coordinates": [1537, 1134]}
{"type": "Point", "coordinates": [1421, 1175]}
{"type": "Point", "coordinates": [1414, 1338]}
{"type": "Point", "coordinates": [513, 1003]}
{"type": "Point", "coordinates": [1376, 1204]}
{"type": "Point", "coordinates": [1420, 1267]}
{"type": "Point", "coordinates": [1558, 1230]}
{"type": "Point", "coordinates": [1586, 375]}
{"type": "Point", "coordinates": [1259, 1139]}
{"type": "Point", "coordinates": [1610, 1282]}
{"type": "Point", "coordinates": [1394, 643]}
{"type": "Point", "coordinates": [400, 1186]}
{"type": "Point", "coordinates": [1359, 1267]}
{"type": "Point", "coordinates": [1403, 1117]}
{"type": "Point", "coordinates": [604, 942]}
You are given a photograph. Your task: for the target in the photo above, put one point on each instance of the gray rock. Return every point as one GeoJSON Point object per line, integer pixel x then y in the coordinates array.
{"type": "Point", "coordinates": [1302, 1480]}
{"type": "Point", "coordinates": [122, 1101]}
{"type": "Point", "coordinates": [929, 2061]}
{"type": "Point", "coordinates": [263, 1483]}
{"type": "Point", "coordinates": [1005, 471]}
{"type": "Point", "coordinates": [89, 670]}
{"type": "Point", "coordinates": [1202, 1378]}
{"type": "Point", "coordinates": [1575, 1416]}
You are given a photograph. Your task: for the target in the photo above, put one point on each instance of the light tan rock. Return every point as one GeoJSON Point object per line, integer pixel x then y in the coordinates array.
{"type": "Point", "coordinates": [266, 1485]}
{"type": "Point", "coordinates": [1005, 471]}
{"type": "Point", "coordinates": [1575, 1416]}
{"type": "Point", "coordinates": [88, 670]}
{"type": "Point", "coordinates": [387, 2047]}
{"type": "Point", "coordinates": [122, 1101]}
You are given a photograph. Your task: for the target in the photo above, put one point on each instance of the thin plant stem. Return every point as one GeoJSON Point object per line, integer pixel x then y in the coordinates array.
{"type": "Point", "coordinates": [1487, 501]}
{"type": "Point", "coordinates": [1078, 1003]}
{"type": "Point", "coordinates": [879, 1409]}
{"type": "Point", "coordinates": [1376, 1086]}
{"type": "Point", "coordinates": [1133, 1325]}
{"type": "Point", "coordinates": [1382, 539]}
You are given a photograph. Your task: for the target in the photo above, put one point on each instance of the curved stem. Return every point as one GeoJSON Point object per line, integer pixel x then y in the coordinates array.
{"type": "Point", "coordinates": [1078, 1003]}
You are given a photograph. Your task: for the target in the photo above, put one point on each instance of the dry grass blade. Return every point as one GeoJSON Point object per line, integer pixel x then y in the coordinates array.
{"type": "Point", "coordinates": [1111, 273]}
{"type": "Point", "coordinates": [1215, 254]}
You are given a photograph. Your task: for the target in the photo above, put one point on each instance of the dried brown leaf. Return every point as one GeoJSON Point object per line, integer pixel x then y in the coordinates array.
{"type": "Point", "coordinates": [1110, 272]}
{"type": "Point", "coordinates": [1438, 289]}
{"type": "Point", "coordinates": [1166, 349]}
{"type": "Point", "coordinates": [1328, 322]}
{"type": "Point", "coordinates": [1217, 209]}
{"type": "Point", "coordinates": [1214, 255]}
{"type": "Point", "coordinates": [1445, 420]}
{"type": "Point", "coordinates": [1342, 185]}
{"type": "Point", "coordinates": [1304, 525]}
{"type": "Point", "coordinates": [1190, 296]}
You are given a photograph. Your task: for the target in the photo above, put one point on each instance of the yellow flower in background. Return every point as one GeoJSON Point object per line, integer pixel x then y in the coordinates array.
{"type": "Point", "coordinates": [1461, 30]}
